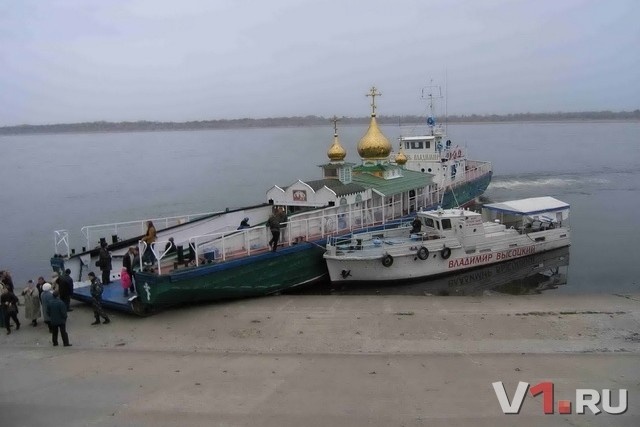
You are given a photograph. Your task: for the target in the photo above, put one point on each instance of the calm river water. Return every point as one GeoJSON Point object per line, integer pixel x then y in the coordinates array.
{"type": "Point", "coordinates": [52, 182]}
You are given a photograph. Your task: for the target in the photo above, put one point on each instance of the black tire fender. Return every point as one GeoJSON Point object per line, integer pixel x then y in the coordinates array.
{"type": "Point", "coordinates": [387, 260]}
{"type": "Point", "coordinates": [423, 253]}
{"type": "Point", "coordinates": [445, 253]}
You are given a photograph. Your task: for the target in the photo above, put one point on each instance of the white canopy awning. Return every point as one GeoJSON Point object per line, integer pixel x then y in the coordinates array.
{"type": "Point", "coordinates": [532, 206]}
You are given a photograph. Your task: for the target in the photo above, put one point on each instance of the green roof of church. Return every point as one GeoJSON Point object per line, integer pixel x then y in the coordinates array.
{"type": "Point", "coordinates": [362, 179]}
{"type": "Point", "coordinates": [336, 186]}
{"type": "Point", "coordinates": [410, 181]}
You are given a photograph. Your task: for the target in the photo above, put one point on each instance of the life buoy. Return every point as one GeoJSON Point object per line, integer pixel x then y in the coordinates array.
{"type": "Point", "coordinates": [423, 253]}
{"type": "Point", "coordinates": [387, 260]}
{"type": "Point", "coordinates": [445, 253]}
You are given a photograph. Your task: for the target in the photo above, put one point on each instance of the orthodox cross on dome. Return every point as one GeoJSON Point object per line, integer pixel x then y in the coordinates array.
{"type": "Point", "coordinates": [335, 121]}
{"type": "Point", "coordinates": [373, 92]}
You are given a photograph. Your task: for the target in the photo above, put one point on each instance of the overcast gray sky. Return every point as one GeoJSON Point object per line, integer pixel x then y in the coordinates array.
{"type": "Point", "coordinates": [66, 61]}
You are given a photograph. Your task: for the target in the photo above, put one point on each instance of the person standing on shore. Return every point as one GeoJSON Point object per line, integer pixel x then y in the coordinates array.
{"type": "Point", "coordinates": [7, 281]}
{"type": "Point", "coordinates": [96, 299]}
{"type": "Point", "coordinates": [57, 311]}
{"type": "Point", "coordinates": [31, 303]}
{"type": "Point", "coordinates": [104, 262]}
{"type": "Point", "coordinates": [45, 297]}
{"type": "Point", "coordinates": [39, 285]}
{"type": "Point", "coordinates": [54, 281]}
{"type": "Point", "coordinates": [10, 307]}
{"type": "Point", "coordinates": [66, 288]}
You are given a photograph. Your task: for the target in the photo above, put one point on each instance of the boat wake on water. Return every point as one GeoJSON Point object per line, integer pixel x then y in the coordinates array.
{"type": "Point", "coordinates": [519, 181]}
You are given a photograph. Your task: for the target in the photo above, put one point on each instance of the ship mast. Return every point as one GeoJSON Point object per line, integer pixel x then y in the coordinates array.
{"type": "Point", "coordinates": [429, 95]}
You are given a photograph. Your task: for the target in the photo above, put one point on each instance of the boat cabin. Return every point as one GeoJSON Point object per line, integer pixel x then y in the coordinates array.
{"type": "Point", "coordinates": [464, 225]}
{"type": "Point", "coordinates": [529, 215]}
{"type": "Point", "coordinates": [429, 154]}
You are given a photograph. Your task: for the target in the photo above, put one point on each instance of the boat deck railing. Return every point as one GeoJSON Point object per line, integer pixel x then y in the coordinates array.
{"type": "Point", "coordinates": [224, 245]}
{"type": "Point", "coordinates": [119, 231]}
{"type": "Point", "coordinates": [477, 168]}
{"type": "Point", "coordinates": [129, 229]}
{"type": "Point", "coordinates": [474, 169]}
{"type": "Point", "coordinates": [390, 240]}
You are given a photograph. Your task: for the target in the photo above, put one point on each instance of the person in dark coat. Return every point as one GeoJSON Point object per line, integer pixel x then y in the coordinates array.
{"type": "Point", "coordinates": [10, 309]}
{"type": "Point", "coordinates": [65, 288]}
{"type": "Point", "coordinates": [275, 223]}
{"type": "Point", "coordinates": [96, 299]}
{"type": "Point", "coordinates": [129, 261]}
{"type": "Point", "coordinates": [104, 262]}
{"type": "Point", "coordinates": [39, 284]}
{"type": "Point", "coordinates": [45, 298]}
{"type": "Point", "coordinates": [170, 247]}
{"type": "Point", "coordinates": [416, 226]}
{"type": "Point", "coordinates": [244, 224]}
{"type": "Point", "coordinates": [5, 278]}
{"type": "Point", "coordinates": [57, 311]}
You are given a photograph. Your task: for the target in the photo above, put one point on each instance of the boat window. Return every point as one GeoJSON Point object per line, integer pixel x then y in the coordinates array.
{"type": "Point", "coordinates": [427, 144]}
{"type": "Point", "coordinates": [438, 225]}
{"type": "Point", "coordinates": [446, 224]}
{"type": "Point", "coordinates": [429, 222]}
{"type": "Point", "coordinates": [416, 144]}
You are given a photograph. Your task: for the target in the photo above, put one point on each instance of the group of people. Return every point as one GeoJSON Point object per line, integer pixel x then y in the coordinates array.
{"type": "Point", "coordinates": [48, 300]}
{"type": "Point", "coordinates": [42, 299]}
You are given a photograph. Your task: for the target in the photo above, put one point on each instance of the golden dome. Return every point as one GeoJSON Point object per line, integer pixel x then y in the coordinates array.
{"type": "Point", "coordinates": [401, 159]}
{"type": "Point", "coordinates": [336, 151]}
{"type": "Point", "coordinates": [374, 145]}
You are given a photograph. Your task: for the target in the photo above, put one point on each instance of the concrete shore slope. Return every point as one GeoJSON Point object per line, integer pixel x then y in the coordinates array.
{"type": "Point", "coordinates": [330, 361]}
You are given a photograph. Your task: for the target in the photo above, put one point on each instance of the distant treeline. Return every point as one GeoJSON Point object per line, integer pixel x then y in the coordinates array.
{"type": "Point", "coordinates": [307, 121]}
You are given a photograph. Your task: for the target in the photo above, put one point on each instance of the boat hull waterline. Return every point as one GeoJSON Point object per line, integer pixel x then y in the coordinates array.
{"type": "Point", "coordinates": [407, 265]}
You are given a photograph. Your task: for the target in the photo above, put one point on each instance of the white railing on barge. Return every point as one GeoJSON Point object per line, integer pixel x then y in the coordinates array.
{"type": "Point", "coordinates": [476, 169]}
{"type": "Point", "coordinates": [220, 246]}
{"type": "Point", "coordinates": [119, 231]}
{"type": "Point", "coordinates": [225, 242]}
{"type": "Point", "coordinates": [61, 237]}
{"type": "Point", "coordinates": [130, 229]}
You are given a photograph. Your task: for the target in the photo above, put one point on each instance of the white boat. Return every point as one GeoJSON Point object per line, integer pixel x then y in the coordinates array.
{"type": "Point", "coordinates": [450, 240]}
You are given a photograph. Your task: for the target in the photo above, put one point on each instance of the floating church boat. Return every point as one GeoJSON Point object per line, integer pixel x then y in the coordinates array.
{"type": "Point", "coordinates": [216, 260]}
